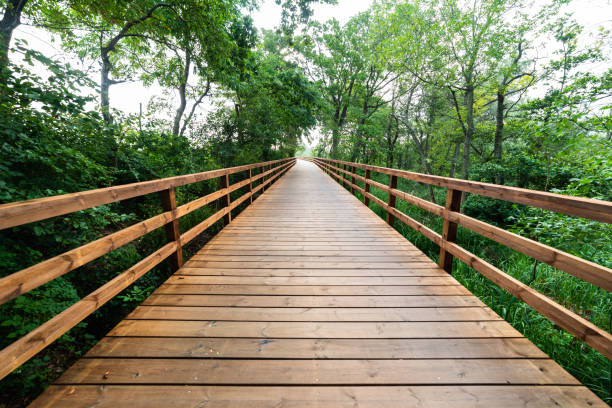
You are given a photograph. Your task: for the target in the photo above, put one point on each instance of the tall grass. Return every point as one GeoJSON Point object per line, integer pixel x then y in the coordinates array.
{"type": "Point", "coordinates": [587, 365]}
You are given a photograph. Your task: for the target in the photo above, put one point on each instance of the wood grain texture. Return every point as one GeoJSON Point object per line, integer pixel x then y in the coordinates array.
{"type": "Point", "coordinates": [313, 301]}
{"type": "Point", "coordinates": [316, 372]}
{"type": "Point", "coordinates": [314, 314]}
{"type": "Point", "coordinates": [308, 299]}
{"type": "Point", "coordinates": [495, 396]}
{"type": "Point", "coordinates": [322, 330]}
{"type": "Point", "coordinates": [312, 290]}
{"type": "Point", "coordinates": [215, 347]}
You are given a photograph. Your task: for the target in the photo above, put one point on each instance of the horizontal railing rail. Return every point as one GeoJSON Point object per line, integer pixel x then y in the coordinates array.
{"type": "Point", "coordinates": [25, 280]}
{"type": "Point", "coordinates": [601, 276]}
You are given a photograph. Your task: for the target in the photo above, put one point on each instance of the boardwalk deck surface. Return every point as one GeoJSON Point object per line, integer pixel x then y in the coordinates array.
{"type": "Point", "coordinates": [308, 299]}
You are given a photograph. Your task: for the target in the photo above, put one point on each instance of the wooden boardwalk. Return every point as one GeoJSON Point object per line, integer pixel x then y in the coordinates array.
{"type": "Point", "coordinates": [308, 299]}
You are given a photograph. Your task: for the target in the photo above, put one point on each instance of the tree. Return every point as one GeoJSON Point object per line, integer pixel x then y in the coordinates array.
{"type": "Point", "coordinates": [10, 20]}
{"type": "Point", "coordinates": [473, 35]}
{"type": "Point", "coordinates": [571, 107]}
{"type": "Point", "coordinates": [334, 62]}
{"type": "Point", "coordinates": [375, 79]}
{"type": "Point", "coordinates": [12, 13]}
{"type": "Point", "coordinates": [273, 106]}
{"type": "Point", "coordinates": [121, 33]}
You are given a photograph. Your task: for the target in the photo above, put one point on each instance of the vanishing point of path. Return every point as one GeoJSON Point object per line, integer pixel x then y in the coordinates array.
{"type": "Point", "coordinates": [308, 299]}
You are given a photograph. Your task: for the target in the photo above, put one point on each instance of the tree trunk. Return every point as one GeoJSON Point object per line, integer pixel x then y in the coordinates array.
{"type": "Point", "coordinates": [335, 135]}
{"type": "Point", "coordinates": [182, 89]}
{"type": "Point", "coordinates": [499, 133]}
{"type": "Point", "coordinates": [469, 132]}
{"type": "Point", "coordinates": [10, 21]}
{"type": "Point", "coordinates": [176, 126]}
{"type": "Point", "coordinates": [339, 117]}
{"type": "Point", "coordinates": [105, 83]}
{"type": "Point", "coordinates": [193, 108]}
{"type": "Point", "coordinates": [359, 145]}
{"type": "Point", "coordinates": [391, 140]}
{"type": "Point", "coordinates": [422, 144]}
{"type": "Point", "coordinates": [455, 160]}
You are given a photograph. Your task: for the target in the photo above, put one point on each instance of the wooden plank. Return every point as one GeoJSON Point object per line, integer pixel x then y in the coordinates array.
{"type": "Point", "coordinates": [426, 270]}
{"type": "Point", "coordinates": [313, 280]}
{"type": "Point", "coordinates": [313, 314]}
{"type": "Point", "coordinates": [307, 265]}
{"type": "Point", "coordinates": [285, 240]}
{"type": "Point", "coordinates": [315, 372]}
{"type": "Point", "coordinates": [160, 347]}
{"type": "Point", "coordinates": [415, 256]}
{"type": "Point", "coordinates": [241, 251]}
{"type": "Point", "coordinates": [496, 396]}
{"type": "Point", "coordinates": [313, 301]}
{"type": "Point", "coordinates": [320, 330]}
{"type": "Point", "coordinates": [330, 231]}
{"type": "Point", "coordinates": [312, 290]}
{"type": "Point", "coordinates": [219, 244]}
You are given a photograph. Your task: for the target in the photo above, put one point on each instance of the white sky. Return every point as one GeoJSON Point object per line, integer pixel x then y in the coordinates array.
{"type": "Point", "coordinates": [127, 96]}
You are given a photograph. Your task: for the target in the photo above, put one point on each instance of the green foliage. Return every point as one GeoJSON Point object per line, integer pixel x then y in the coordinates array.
{"type": "Point", "coordinates": [274, 105]}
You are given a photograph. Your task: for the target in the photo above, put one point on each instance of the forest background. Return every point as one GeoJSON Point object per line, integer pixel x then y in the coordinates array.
{"type": "Point", "coordinates": [512, 92]}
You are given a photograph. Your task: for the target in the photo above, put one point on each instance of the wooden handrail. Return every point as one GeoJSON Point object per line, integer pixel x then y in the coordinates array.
{"type": "Point", "coordinates": [588, 271]}
{"type": "Point", "coordinates": [597, 210]}
{"type": "Point", "coordinates": [25, 212]}
{"type": "Point", "coordinates": [32, 277]}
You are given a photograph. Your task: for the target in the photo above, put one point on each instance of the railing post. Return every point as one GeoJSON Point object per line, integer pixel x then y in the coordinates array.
{"type": "Point", "coordinates": [225, 200]}
{"type": "Point", "coordinates": [391, 199]}
{"type": "Point", "coordinates": [366, 187]}
{"type": "Point", "coordinates": [449, 229]}
{"type": "Point", "coordinates": [353, 179]}
{"type": "Point", "coordinates": [173, 233]}
{"type": "Point", "coordinates": [262, 170]}
{"type": "Point", "coordinates": [264, 178]}
{"type": "Point", "coordinates": [344, 176]}
{"type": "Point", "coordinates": [251, 186]}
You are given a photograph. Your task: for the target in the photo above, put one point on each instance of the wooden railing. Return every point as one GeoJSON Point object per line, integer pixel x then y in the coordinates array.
{"type": "Point", "coordinates": [14, 214]}
{"type": "Point", "coordinates": [587, 332]}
